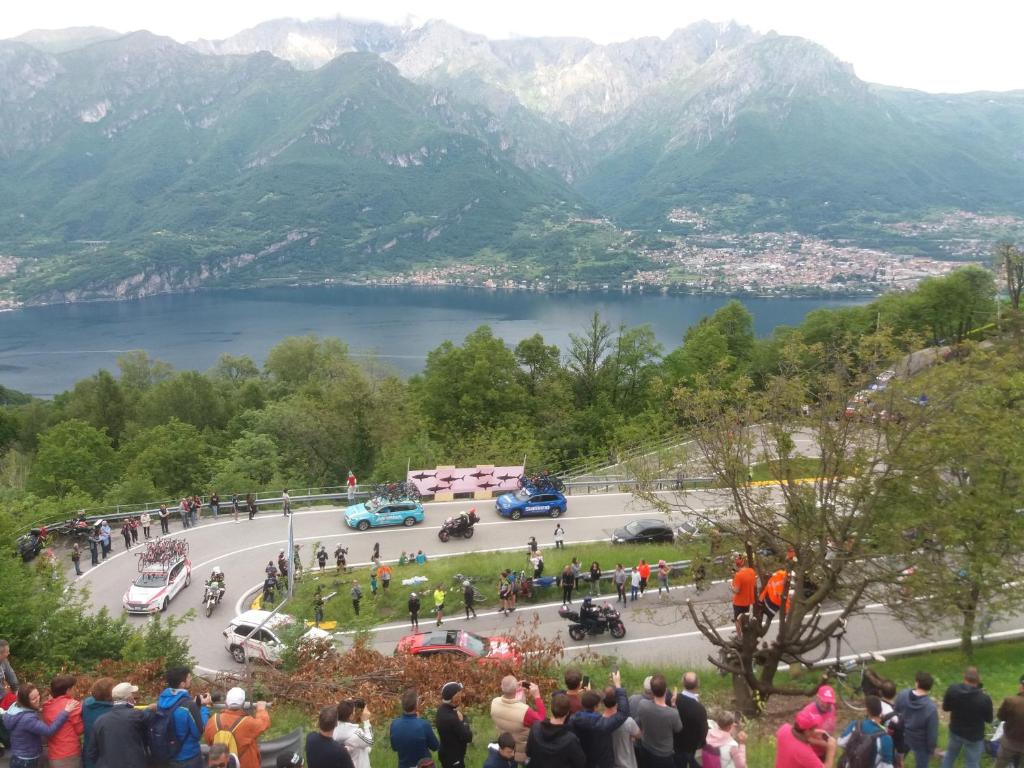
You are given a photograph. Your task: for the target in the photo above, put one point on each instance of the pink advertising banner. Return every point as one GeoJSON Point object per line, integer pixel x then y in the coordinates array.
{"type": "Point", "coordinates": [483, 477]}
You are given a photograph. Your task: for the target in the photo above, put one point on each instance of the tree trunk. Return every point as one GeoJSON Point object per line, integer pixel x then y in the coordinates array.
{"type": "Point", "coordinates": [970, 615]}
{"type": "Point", "coordinates": [746, 702]}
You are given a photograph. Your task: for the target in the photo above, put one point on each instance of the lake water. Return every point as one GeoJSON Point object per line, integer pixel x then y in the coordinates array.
{"type": "Point", "coordinates": [44, 350]}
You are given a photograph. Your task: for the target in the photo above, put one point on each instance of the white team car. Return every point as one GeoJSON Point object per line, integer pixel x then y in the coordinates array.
{"type": "Point", "coordinates": [243, 640]}
{"type": "Point", "coordinates": [157, 585]}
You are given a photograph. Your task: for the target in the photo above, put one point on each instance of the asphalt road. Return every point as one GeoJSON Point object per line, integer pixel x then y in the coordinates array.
{"type": "Point", "coordinates": [658, 629]}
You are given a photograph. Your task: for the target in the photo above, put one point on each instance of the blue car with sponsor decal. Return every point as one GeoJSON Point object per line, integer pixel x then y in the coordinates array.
{"type": "Point", "coordinates": [376, 513]}
{"type": "Point", "coordinates": [531, 502]}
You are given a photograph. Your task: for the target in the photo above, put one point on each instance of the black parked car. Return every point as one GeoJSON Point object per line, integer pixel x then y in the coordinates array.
{"type": "Point", "coordinates": [642, 532]}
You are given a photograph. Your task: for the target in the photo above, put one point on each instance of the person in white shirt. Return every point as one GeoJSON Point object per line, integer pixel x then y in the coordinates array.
{"type": "Point", "coordinates": [356, 738]}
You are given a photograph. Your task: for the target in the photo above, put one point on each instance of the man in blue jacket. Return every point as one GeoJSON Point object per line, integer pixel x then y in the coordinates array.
{"type": "Point", "coordinates": [411, 736]}
{"type": "Point", "coordinates": [593, 729]}
{"type": "Point", "coordinates": [189, 719]}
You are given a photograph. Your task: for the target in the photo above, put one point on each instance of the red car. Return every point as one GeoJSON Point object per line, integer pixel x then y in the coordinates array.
{"type": "Point", "coordinates": [460, 644]}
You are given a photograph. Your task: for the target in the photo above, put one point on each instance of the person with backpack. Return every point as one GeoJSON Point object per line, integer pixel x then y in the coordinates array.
{"type": "Point", "coordinates": [723, 749]}
{"type": "Point", "coordinates": [178, 722]}
{"type": "Point", "coordinates": [866, 743]}
{"type": "Point", "coordinates": [920, 719]}
{"type": "Point", "coordinates": [237, 730]}
{"type": "Point", "coordinates": [118, 739]}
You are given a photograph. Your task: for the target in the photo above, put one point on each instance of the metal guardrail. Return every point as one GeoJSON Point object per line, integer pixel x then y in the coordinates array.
{"type": "Point", "coordinates": [340, 493]}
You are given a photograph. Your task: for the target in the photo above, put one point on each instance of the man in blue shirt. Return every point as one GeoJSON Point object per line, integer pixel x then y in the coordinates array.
{"type": "Point", "coordinates": [872, 727]}
{"type": "Point", "coordinates": [189, 719]}
{"type": "Point", "coordinates": [411, 736]}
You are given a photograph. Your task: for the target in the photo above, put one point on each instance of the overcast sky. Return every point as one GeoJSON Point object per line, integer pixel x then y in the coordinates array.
{"type": "Point", "coordinates": [941, 45]}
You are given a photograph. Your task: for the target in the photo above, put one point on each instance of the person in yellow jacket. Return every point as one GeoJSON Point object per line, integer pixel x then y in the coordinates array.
{"type": "Point", "coordinates": [439, 594]}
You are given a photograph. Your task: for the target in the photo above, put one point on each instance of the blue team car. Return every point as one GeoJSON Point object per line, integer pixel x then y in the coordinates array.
{"type": "Point", "coordinates": [376, 513]}
{"type": "Point", "coordinates": [530, 502]}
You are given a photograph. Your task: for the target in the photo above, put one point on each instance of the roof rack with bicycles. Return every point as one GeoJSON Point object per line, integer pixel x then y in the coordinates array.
{"type": "Point", "coordinates": [161, 553]}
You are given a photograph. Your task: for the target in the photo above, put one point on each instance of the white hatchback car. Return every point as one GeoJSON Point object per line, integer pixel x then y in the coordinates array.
{"type": "Point", "coordinates": [242, 638]}
{"type": "Point", "coordinates": [157, 585]}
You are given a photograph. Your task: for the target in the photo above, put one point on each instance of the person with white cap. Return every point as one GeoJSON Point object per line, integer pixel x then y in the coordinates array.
{"type": "Point", "coordinates": [118, 739]}
{"type": "Point", "coordinates": [234, 724]}
{"type": "Point", "coordinates": [453, 729]}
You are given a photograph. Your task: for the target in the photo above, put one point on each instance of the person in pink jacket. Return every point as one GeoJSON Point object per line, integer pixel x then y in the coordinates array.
{"type": "Point", "coordinates": [721, 748]}
{"type": "Point", "coordinates": [823, 705]}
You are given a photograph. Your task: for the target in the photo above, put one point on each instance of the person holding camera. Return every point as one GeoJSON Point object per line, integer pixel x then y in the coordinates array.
{"type": "Point", "coordinates": [237, 725]}
{"type": "Point", "coordinates": [354, 731]}
{"type": "Point", "coordinates": [512, 714]}
{"type": "Point", "coordinates": [452, 727]}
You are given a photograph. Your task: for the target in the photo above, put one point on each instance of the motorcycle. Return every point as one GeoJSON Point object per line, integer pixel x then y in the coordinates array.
{"type": "Point", "coordinates": [30, 544]}
{"type": "Point", "coordinates": [462, 525]}
{"type": "Point", "coordinates": [606, 620]}
{"type": "Point", "coordinates": [211, 597]}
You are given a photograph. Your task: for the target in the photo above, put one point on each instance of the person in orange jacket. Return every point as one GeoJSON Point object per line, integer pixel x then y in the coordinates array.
{"type": "Point", "coordinates": [773, 596]}
{"type": "Point", "coordinates": [245, 728]}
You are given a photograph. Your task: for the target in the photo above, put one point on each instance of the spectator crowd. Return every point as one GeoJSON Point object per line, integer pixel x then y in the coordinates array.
{"type": "Point", "coordinates": [580, 726]}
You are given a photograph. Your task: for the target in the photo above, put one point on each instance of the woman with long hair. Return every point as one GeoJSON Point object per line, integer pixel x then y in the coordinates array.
{"type": "Point", "coordinates": [27, 728]}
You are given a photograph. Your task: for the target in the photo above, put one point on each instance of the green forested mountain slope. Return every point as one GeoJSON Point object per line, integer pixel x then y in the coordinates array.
{"type": "Point", "coordinates": [138, 164]}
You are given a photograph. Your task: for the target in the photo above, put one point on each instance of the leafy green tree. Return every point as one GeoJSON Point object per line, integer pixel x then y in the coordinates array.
{"type": "Point", "coordinates": [235, 368]}
{"type": "Point", "coordinates": [963, 499]}
{"type": "Point", "coordinates": [705, 349]}
{"type": "Point", "coordinates": [132, 489]}
{"type": "Point", "coordinates": [300, 361]}
{"type": "Point", "coordinates": [250, 463]}
{"type": "Point", "coordinates": [585, 357]}
{"type": "Point", "coordinates": [737, 325]}
{"type": "Point", "coordinates": [189, 397]}
{"type": "Point", "coordinates": [539, 361]}
{"type": "Point", "coordinates": [73, 454]}
{"type": "Point", "coordinates": [632, 365]}
{"type": "Point", "coordinates": [174, 457]}
{"type": "Point", "coordinates": [471, 387]}
{"type": "Point", "coordinates": [954, 305]}
{"type": "Point", "coordinates": [139, 371]}
{"type": "Point", "coordinates": [100, 401]}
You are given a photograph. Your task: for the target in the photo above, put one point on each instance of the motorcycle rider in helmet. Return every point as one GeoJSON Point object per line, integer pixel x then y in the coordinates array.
{"type": "Point", "coordinates": [217, 580]}
{"type": "Point", "coordinates": [590, 614]}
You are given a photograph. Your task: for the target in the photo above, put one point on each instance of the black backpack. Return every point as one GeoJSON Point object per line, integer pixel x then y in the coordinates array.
{"type": "Point", "coordinates": [860, 749]}
{"type": "Point", "coordinates": [893, 724]}
{"type": "Point", "coordinates": [162, 736]}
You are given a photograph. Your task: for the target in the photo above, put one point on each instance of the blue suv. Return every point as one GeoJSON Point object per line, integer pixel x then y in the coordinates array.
{"type": "Point", "coordinates": [530, 502]}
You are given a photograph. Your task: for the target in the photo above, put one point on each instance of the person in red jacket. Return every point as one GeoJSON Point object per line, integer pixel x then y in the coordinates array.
{"type": "Point", "coordinates": [65, 746]}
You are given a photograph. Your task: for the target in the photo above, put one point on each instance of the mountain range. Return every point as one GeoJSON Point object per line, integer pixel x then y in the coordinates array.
{"type": "Point", "coordinates": [300, 151]}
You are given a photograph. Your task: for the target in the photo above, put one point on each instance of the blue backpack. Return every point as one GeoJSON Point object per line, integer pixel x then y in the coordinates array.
{"type": "Point", "coordinates": [162, 735]}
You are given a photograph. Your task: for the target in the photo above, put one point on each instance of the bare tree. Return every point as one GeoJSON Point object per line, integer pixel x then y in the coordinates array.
{"type": "Point", "coordinates": [831, 457]}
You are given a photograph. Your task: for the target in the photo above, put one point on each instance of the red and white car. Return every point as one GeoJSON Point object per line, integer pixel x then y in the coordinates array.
{"type": "Point", "coordinates": [157, 585]}
{"type": "Point", "coordinates": [459, 643]}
